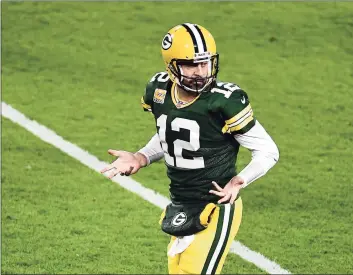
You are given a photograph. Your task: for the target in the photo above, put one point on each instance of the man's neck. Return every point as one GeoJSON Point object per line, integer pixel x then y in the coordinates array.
{"type": "Point", "coordinates": [184, 95]}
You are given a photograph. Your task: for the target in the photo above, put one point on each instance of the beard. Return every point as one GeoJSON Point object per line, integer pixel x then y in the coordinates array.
{"type": "Point", "coordinates": [194, 83]}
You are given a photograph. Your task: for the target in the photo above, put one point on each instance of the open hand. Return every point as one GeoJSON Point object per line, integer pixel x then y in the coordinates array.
{"type": "Point", "coordinates": [126, 164]}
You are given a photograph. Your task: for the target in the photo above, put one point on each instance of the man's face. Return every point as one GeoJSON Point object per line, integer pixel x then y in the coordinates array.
{"type": "Point", "coordinates": [195, 74]}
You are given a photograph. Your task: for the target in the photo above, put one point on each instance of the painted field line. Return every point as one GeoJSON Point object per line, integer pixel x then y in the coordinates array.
{"type": "Point", "coordinates": [128, 183]}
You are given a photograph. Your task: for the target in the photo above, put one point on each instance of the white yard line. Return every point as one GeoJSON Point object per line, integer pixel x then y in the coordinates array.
{"type": "Point", "coordinates": [128, 183]}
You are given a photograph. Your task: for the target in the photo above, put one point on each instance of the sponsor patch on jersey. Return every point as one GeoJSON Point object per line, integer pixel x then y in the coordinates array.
{"type": "Point", "coordinates": [159, 96]}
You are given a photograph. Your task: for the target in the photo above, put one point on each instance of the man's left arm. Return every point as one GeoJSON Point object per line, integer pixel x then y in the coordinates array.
{"type": "Point", "coordinates": [265, 153]}
{"type": "Point", "coordinates": [249, 133]}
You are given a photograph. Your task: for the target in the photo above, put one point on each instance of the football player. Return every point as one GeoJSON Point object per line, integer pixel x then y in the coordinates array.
{"type": "Point", "coordinates": [200, 124]}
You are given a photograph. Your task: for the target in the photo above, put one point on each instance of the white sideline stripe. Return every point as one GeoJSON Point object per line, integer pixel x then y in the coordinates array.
{"type": "Point", "coordinates": [128, 183]}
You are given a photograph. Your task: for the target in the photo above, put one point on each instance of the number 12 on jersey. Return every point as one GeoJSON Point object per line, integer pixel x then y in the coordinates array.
{"type": "Point", "coordinates": [179, 145]}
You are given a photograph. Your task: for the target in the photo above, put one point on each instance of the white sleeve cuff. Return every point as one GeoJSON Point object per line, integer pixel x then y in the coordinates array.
{"type": "Point", "coordinates": [152, 150]}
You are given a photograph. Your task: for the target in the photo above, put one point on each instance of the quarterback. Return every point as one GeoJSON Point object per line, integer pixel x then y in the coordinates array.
{"type": "Point", "coordinates": [200, 124]}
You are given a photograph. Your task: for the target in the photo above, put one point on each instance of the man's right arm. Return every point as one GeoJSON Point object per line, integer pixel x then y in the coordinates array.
{"type": "Point", "coordinates": [128, 163]}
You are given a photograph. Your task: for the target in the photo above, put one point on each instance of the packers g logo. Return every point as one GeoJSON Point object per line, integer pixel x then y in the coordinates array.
{"type": "Point", "coordinates": [167, 41]}
{"type": "Point", "coordinates": [179, 219]}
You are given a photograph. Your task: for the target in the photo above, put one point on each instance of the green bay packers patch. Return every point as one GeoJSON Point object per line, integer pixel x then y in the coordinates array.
{"type": "Point", "coordinates": [159, 96]}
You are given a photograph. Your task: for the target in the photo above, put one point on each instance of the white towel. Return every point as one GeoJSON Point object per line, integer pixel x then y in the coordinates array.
{"type": "Point", "coordinates": [180, 244]}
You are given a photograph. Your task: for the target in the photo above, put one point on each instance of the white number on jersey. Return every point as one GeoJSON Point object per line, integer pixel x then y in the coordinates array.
{"type": "Point", "coordinates": [161, 77]}
{"type": "Point", "coordinates": [162, 124]}
{"type": "Point", "coordinates": [179, 145]}
{"type": "Point", "coordinates": [230, 88]}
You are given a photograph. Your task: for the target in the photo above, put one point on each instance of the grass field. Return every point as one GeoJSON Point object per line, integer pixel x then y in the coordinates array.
{"type": "Point", "coordinates": [80, 69]}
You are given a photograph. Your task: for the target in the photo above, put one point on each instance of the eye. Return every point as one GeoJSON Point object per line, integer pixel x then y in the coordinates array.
{"type": "Point", "coordinates": [191, 65]}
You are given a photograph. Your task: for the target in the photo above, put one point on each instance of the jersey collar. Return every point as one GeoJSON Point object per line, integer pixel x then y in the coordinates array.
{"type": "Point", "coordinates": [177, 102]}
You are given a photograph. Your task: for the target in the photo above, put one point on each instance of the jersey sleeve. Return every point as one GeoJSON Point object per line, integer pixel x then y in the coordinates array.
{"type": "Point", "coordinates": [237, 113]}
{"type": "Point", "coordinates": [147, 98]}
{"type": "Point", "coordinates": [159, 80]}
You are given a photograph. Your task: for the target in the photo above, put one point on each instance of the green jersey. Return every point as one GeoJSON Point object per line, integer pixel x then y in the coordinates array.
{"type": "Point", "coordinates": [197, 137]}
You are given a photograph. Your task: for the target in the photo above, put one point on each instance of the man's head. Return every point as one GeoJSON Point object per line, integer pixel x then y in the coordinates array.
{"type": "Point", "coordinates": [189, 52]}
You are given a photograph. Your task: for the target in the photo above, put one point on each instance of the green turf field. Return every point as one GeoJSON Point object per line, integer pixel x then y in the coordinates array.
{"type": "Point", "coordinates": [80, 69]}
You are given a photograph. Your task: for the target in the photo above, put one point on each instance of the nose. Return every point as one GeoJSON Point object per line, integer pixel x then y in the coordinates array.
{"type": "Point", "coordinates": [199, 69]}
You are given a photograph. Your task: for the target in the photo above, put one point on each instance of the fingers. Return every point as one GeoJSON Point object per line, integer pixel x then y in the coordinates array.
{"type": "Point", "coordinates": [234, 196]}
{"type": "Point", "coordinates": [127, 173]}
{"type": "Point", "coordinates": [228, 193]}
{"type": "Point", "coordinates": [115, 153]}
{"type": "Point", "coordinates": [225, 198]}
{"type": "Point", "coordinates": [113, 174]}
{"type": "Point", "coordinates": [221, 194]}
{"type": "Point", "coordinates": [220, 191]}
{"type": "Point", "coordinates": [217, 186]}
{"type": "Point", "coordinates": [229, 197]}
{"type": "Point", "coordinates": [111, 166]}
{"type": "Point", "coordinates": [107, 168]}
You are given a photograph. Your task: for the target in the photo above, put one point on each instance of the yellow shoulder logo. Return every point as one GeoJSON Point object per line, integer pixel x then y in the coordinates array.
{"type": "Point", "coordinates": [159, 96]}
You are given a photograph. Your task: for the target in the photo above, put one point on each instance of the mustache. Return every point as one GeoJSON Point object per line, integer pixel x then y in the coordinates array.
{"type": "Point", "coordinates": [195, 77]}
